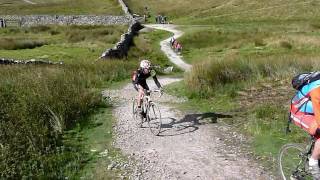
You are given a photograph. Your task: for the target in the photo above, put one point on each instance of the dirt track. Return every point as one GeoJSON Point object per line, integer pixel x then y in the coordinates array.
{"type": "Point", "coordinates": [189, 147]}
{"type": "Point", "coordinates": [165, 45]}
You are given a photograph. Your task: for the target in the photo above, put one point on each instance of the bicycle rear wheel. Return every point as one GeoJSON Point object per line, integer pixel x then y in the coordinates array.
{"type": "Point", "coordinates": [154, 119]}
{"type": "Point", "coordinates": [136, 116]}
{"type": "Point", "coordinates": [292, 162]}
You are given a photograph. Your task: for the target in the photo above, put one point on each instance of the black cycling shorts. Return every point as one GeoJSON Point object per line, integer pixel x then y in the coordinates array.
{"type": "Point", "coordinates": [144, 85]}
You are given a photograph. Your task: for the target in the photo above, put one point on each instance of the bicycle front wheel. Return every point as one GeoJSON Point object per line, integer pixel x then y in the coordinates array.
{"type": "Point", "coordinates": [154, 119]}
{"type": "Point", "coordinates": [292, 162]}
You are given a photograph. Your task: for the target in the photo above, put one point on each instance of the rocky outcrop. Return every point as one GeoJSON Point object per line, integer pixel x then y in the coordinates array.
{"type": "Point", "coordinates": [5, 61]}
{"type": "Point", "coordinates": [35, 20]}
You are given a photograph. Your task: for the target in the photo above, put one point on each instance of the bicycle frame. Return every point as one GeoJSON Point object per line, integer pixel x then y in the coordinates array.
{"type": "Point", "coordinates": [301, 166]}
{"type": "Point", "coordinates": [147, 99]}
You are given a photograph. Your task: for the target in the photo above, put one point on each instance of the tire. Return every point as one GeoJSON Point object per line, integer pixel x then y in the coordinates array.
{"type": "Point", "coordinates": [292, 162]}
{"type": "Point", "coordinates": [137, 118]}
{"type": "Point", "coordinates": [154, 119]}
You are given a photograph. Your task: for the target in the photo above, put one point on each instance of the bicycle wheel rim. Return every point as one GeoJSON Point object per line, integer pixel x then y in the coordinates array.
{"type": "Point", "coordinates": [154, 119]}
{"type": "Point", "coordinates": [292, 162]}
{"type": "Point", "coordinates": [136, 116]}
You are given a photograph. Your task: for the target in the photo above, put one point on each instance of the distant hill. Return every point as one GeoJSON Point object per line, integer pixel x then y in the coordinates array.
{"type": "Point", "coordinates": [211, 11]}
{"type": "Point", "coordinates": [25, 7]}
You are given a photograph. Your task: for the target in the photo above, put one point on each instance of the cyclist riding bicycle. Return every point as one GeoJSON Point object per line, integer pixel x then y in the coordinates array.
{"type": "Point", "coordinates": [139, 82]}
{"type": "Point", "coordinates": [305, 112]}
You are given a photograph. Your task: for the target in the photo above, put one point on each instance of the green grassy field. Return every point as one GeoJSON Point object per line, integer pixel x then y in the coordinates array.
{"type": "Point", "coordinates": [64, 7]}
{"type": "Point", "coordinates": [248, 73]}
{"type": "Point", "coordinates": [54, 122]}
{"type": "Point", "coordinates": [56, 43]}
{"type": "Point", "coordinates": [235, 11]}
{"type": "Point", "coordinates": [244, 54]}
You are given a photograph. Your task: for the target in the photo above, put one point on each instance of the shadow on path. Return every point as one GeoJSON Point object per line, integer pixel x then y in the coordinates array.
{"type": "Point", "coordinates": [189, 123]}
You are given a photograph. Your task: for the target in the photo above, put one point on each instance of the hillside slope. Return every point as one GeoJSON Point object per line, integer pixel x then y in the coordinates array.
{"type": "Point", "coordinates": [213, 11]}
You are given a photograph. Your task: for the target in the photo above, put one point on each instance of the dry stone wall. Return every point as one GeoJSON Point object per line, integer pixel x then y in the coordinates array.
{"type": "Point", "coordinates": [125, 9]}
{"type": "Point", "coordinates": [35, 20]}
{"type": "Point", "coordinates": [120, 50]}
{"type": "Point", "coordinates": [6, 61]}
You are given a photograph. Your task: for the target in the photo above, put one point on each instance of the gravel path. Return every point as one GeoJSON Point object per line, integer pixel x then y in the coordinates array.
{"type": "Point", "coordinates": [165, 45]}
{"type": "Point", "coordinates": [189, 146]}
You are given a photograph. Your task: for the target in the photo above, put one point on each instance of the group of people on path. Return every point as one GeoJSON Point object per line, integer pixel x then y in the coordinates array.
{"type": "Point", "coordinates": [160, 19]}
{"type": "Point", "coordinates": [175, 45]}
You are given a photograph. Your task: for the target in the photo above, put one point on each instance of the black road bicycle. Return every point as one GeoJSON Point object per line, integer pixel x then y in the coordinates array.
{"type": "Point", "coordinates": [150, 112]}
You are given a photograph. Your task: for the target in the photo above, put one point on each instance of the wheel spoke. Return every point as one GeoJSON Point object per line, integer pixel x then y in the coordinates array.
{"type": "Point", "coordinates": [154, 119]}
{"type": "Point", "coordinates": [136, 116]}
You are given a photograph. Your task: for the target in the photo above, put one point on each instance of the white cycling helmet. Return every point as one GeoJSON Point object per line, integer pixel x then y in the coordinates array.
{"type": "Point", "coordinates": [145, 64]}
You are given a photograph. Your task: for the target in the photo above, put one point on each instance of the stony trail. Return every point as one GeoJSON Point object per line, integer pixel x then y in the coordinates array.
{"type": "Point", "coordinates": [189, 146]}
{"type": "Point", "coordinates": [166, 48]}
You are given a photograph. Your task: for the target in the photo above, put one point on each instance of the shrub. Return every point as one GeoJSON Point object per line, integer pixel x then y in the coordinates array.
{"type": "Point", "coordinates": [75, 36]}
{"type": "Point", "coordinates": [315, 25]}
{"type": "Point", "coordinates": [41, 28]}
{"type": "Point", "coordinates": [15, 44]}
{"type": "Point", "coordinates": [54, 32]}
{"type": "Point", "coordinates": [286, 44]}
{"type": "Point", "coordinates": [37, 104]}
{"type": "Point", "coordinates": [259, 42]}
{"type": "Point", "coordinates": [208, 75]}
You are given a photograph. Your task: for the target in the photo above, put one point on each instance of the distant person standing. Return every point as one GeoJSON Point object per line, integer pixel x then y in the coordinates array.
{"type": "Point", "coordinates": [162, 19]}
{"type": "Point", "coordinates": [165, 19]}
{"type": "Point", "coordinates": [158, 19]}
{"type": "Point", "coordinates": [2, 23]}
{"type": "Point", "coordinates": [146, 12]}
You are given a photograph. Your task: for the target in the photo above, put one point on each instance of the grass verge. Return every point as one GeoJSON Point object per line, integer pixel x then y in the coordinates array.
{"type": "Point", "coordinates": [259, 110]}
{"type": "Point", "coordinates": [70, 44]}
{"type": "Point", "coordinates": [49, 122]}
